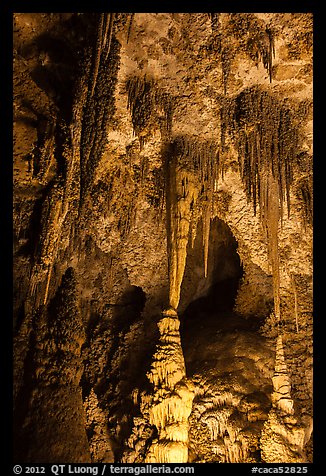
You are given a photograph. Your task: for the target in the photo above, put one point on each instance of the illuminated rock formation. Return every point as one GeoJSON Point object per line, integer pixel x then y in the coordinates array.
{"type": "Point", "coordinates": [171, 403]}
{"type": "Point", "coordinates": [284, 435]}
{"type": "Point", "coordinates": [163, 161]}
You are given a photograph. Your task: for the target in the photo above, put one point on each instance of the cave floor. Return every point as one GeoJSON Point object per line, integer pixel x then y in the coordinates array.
{"type": "Point", "coordinates": [222, 343]}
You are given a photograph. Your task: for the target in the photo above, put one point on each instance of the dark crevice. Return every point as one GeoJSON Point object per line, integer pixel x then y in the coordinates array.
{"type": "Point", "coordinates": [23, 402]}
{"type": "Point", "coordinates": [214, 309]}
{"type": "Point", "coordinates": [33, 232]}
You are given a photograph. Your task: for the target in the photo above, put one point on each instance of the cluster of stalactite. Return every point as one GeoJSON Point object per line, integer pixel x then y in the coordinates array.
{"type": "Point", "coordinates": [84, 140]}
{"type": "Point", "coordinates": [304, 193]}
{"type": "Point", "coordinates": [255, 38]}
{"type": "Point", "coordinates": [267, 144]}
{"type": "Point", "coordinates": [192, 169]}
{"type": "Point", "coordinates": [99, 102]}
{"type": "Point", "coordinates": [149, 106]}
{"type": "Point", "coordinates": [303, 188]}
{"type": "Point", "coordinates": [236, 33]}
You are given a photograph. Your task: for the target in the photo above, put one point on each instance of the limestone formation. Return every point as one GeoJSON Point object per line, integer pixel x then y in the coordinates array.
{"type": "Point", "coordinates": [283, 436]}
{"type": "Point", "coordinates": [162, 225]}
{"type": "Point", "coordinates": [171, 403]}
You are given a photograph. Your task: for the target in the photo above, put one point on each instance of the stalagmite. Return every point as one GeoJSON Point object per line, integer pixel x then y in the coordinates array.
{"type": "Point", "coordinates": [96, 424]}
{"type": "Point", "coordinates": [171, 403]}
{"type": "Point", "coordinates": [281, 396]}
{"type": "Point", "coordinates": [283, 435]}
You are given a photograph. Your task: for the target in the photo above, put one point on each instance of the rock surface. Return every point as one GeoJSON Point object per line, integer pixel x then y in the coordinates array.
{"type": "Point", "coordinates": [108, 108]}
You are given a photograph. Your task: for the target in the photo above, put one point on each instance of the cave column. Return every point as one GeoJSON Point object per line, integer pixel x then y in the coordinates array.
{"type": "Point", "coordinates": [172, 397]}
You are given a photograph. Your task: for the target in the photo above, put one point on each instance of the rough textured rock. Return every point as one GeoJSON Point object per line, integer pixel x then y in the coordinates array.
{"type": "Point", "coordinates": [171, 404]}
{"type": "Point", "coordinates": [231, 367]}
{"type": "Point", "coordinates": [283, 436]}
{"type": "Point", "coordinates": [162, 159]}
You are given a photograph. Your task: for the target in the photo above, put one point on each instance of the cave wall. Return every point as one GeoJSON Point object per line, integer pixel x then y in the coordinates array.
{"type": "Point", "coordinates": [97, 101]}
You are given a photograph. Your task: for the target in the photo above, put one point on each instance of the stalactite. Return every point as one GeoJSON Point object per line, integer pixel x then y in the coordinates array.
{"type": "Point", "coordinates": [194, 222]}
{"type": "Point", "coordinates": [98, 52]}
{"type": "Point", "coordinates": [254, 38]}
{"type": "Point", "coordinates": [45, 153]}
{"type": "Point", "coordinates": [109, 24]}
{"type": "Point", "coordinates": [103, 42]}
{"type": "Point", "coordinates": [46, 253]}
{"type": "Point", "coordinates": [144, 168]}
{"type": "Point", "coordinates": [188, 160]}
{"type": "Point", "coordinates": [97, 115]}
{"type": "Point", "coordinates": [214, 18]}
{"type": "Point", "coordinates": [206, 227]}
{"type": "Point", "coordinates": [178, 222]}
{"type": "Point", "coordinates": [74, 165]}
{"type": "Point", "coordinates": [304, 194]}
{"type": "Point", "coordinates": [155, 192]}
{"type": "Point", "coordinates": [167, 103]}
{"type": "Point", "coordinates": [130, 26]}
{"type": "Point", "coordinates": [295, 297]}
{"type": "Point", "coordinates": [106, 30]}
{"type": "Point", "coordinates": [267, 141]}
{"type": "Point", "coordinates": [147, 100]}
{"type": "Point", "coordinates": [227, 56]}
{"type": "Point", "coordinates": [270, 213]}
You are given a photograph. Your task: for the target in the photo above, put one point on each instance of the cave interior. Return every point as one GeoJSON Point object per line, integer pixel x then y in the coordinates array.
{"type": "Point", "coordinates": [162, 217]}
